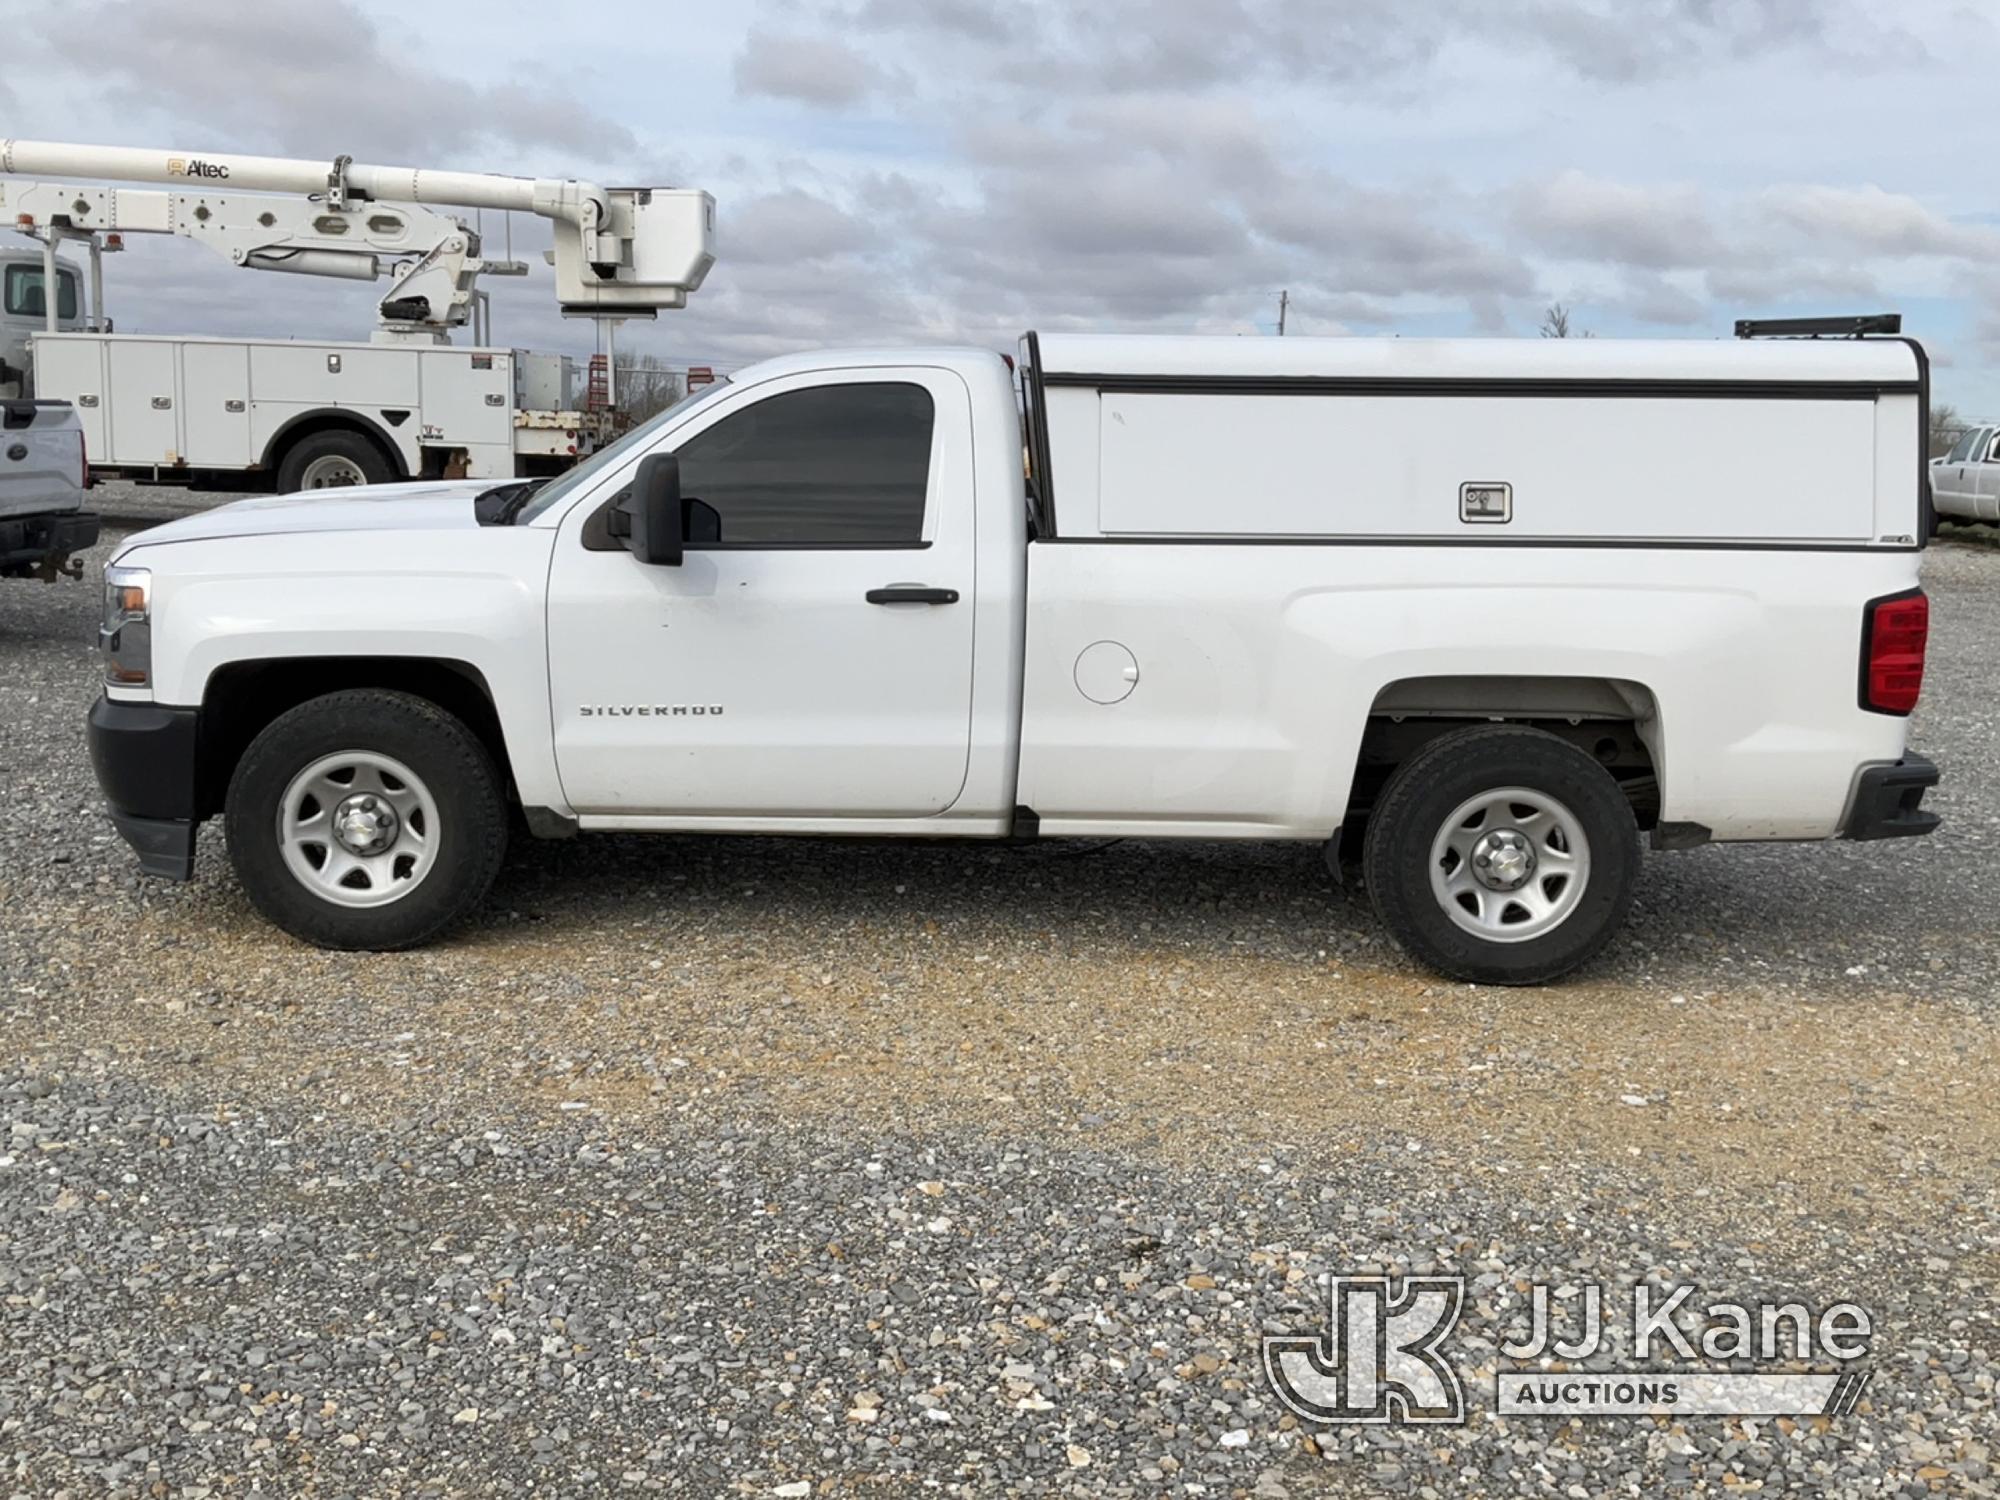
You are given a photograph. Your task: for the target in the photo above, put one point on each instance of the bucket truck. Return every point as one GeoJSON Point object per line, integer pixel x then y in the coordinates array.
{"type": "Point", "coordinates": [408, 402]}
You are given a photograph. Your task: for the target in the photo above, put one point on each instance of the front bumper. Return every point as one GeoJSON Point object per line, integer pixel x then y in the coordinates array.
{"type": "Point", "coordinates": [144, 755]}
{"type": "Point", "coordinates": [1887, 801]}
{"type": "Point", "coordinates": [27, 541]}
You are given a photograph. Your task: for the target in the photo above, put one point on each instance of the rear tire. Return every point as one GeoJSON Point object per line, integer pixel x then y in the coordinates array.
{"type": "Point", "coordinates": [366, 819]}
{"type": "Point", "coordinates": [332, 460]}
{"type": "Point", "coordinates": [1502, 855]}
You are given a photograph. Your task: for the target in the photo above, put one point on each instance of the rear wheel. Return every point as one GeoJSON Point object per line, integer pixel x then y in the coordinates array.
{"type": "Point", "coordinates": [366, 819]}
{"type": "Point", "coordinates": [1502, 855]}
{"type": "Point", "coordinates": [332, 460]}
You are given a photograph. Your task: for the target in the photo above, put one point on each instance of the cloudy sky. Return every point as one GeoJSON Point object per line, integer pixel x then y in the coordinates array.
{"type": "Point", "coordinates": [963, 169]}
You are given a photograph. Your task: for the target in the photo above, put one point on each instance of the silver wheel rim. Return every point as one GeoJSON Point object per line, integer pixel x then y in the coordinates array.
{"type": "Point", "coordinates": [1510, 864]}
{"type": "Point", "coordinates": [358, 829]}
{"type": "Point", "coordinates": [331, 471]}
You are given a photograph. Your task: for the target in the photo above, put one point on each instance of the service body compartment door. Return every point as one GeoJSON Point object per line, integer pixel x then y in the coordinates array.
{"type": "Point", "coordinates": [1628, 468]}
{"type": "Point", "coordinates": [468, 396]}
{"type": "Point", "coordinates": [143, 393]}
{"type": "Point", "coordinates": [70, 367]}
{"type": "Point", "coordinates": [335, 374]}
{"type": "Point", "coordinates": [758, 679]}
{"type": "Point", "coordinates": [215, 405]}
{"type": "Point", "coordinates": [469, 403]}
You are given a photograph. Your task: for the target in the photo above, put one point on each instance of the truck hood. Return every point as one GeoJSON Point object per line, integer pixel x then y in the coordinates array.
{"type": "Point", "coordinates": [429, 505]}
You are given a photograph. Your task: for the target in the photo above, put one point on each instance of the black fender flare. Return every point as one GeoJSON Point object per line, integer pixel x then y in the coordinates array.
{"type": "Point", "coordinates": [333, 418]}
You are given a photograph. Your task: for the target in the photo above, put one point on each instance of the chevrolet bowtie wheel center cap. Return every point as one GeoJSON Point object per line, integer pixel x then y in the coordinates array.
{"type": "Point", "coordinates": [1503, 860]}
{"type": "Point", "coordinates": [365, 824]}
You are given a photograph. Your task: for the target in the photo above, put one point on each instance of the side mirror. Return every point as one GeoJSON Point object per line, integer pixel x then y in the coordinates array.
{"type": "Point", "coordinates": [653, 511]}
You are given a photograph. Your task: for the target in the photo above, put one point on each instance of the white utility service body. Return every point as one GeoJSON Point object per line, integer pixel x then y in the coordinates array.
{"type": "Point", "coordinates": [405, 404]}
{"type": "Point", "coordinates": [1253, 589]}
{"type": "Point", "coordinates": [218, 405]}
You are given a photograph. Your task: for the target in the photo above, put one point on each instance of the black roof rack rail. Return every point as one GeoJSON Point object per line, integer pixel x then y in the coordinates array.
{"type": "Point", "coordinates": [1818, 328]}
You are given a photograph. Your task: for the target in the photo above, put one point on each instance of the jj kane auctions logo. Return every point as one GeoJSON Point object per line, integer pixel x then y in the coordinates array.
{"type": "Point", "coordinates": [1379, 1358]}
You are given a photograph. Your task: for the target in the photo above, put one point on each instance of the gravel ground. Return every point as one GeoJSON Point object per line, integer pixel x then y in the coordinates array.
{"type": "Point", "coordinates": [730, 1166]}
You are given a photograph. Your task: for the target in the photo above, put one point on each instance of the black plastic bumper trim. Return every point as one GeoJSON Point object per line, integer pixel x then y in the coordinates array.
{"type": "Point", "coordinates": [1887, 801]}
{"type": "Point", "coordinates": [165, 846]}
{"type": "Point", "coordinates": [145, 758]}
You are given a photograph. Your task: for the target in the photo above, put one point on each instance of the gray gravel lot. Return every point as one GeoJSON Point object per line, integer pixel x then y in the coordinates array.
{"type": "Point", "coordinates": [720, 1166]}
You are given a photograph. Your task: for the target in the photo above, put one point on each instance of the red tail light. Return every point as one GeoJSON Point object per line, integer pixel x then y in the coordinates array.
{"type": "Point", "coordinates": [1894, 632]}
{"type": "Point", "coordinates": [82, 463]}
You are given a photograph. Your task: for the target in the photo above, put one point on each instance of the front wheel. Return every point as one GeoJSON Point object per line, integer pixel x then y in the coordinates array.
{"type": "Point", "coordinates": [1502, 855]}
{"type": "Point", "coordinates": [366, 819]}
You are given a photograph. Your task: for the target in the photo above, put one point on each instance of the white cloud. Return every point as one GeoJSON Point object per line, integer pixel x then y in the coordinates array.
{"type": "Point", "coordinates": [1879, 223]}
{"type": "Point", "coordinates": [817, 70]}
{"type": "Point", "coordinates": [1655, 227]}
{"type": "Point", "coordinates": [962, 169]}
{"type": "Point", "coordinates": [282, 76]}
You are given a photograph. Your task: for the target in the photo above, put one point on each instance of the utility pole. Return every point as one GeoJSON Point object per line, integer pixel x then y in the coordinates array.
{"type": "Point", "coordinates": [1284, 301]}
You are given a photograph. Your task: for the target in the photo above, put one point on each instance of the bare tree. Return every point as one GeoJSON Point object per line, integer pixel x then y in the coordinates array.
{"type": "Point", "coordinates": [646, 387]}
{"type": "Point", "coordinates": [1946, 425]}
{"type": "Point", "coordinates": [1556, 324]}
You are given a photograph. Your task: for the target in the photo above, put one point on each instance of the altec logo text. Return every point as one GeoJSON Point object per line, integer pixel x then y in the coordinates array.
{"type": "Point", "coordinates": [1381, 1357]}
{"type": "Point", "coordinates": [181, 166]}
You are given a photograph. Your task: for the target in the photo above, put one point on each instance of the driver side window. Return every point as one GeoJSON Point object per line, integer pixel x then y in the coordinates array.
{"type": "Point", "coordinates": [833, 465]}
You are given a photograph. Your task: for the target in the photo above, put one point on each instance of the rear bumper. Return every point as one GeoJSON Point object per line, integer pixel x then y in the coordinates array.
{"type": "Point", "coordinates": [144, 756]}
{"type": "Point", "coordinates": [26, 540]}
{"type": "Point", "coordinates": [1887, 801]}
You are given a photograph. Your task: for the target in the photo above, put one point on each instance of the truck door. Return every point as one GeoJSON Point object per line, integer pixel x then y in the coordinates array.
{"type": "Point", "coordinates": [1985, 472]}
{"type": "Point", "coordinates": [1954, 481]}
{"type": "Point", "coordinates": [816, 660]}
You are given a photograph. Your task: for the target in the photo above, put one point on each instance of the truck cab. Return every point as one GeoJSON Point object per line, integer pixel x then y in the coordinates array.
{"type": "Point", "coordinates": [24, 313]}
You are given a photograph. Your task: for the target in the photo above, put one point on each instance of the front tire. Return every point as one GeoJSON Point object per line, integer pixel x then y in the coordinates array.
{"type": "Point", "coordinates": [366, 820]}
{"type": "Point", "coordinates": [1502, 855]}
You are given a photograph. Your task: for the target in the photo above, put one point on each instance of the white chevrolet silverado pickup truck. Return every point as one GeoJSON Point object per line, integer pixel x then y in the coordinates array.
{"type": "Point", "coordinates": [43, 475]}
{"type": "Point", "coordinates": [1473, 615]}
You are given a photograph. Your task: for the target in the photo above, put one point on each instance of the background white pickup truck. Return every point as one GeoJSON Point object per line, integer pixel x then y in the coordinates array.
{"type": "Point", "coordinates": [43, 474]}
{"type": "Point", "coordinates": [1415, 600]}
{"type": "Point", "coordinates": [1966, 481]}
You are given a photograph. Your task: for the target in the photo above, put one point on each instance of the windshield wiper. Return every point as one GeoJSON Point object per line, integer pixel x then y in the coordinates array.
{"type": "Point", "coordinates": [502, 504]}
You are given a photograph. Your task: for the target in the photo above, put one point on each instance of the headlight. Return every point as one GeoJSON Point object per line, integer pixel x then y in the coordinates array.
{"type": "Point", "coordinates": [126, 637]}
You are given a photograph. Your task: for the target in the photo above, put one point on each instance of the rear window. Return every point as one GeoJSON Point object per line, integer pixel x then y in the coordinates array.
{"type": "Point", "coordinates": [24, 298]}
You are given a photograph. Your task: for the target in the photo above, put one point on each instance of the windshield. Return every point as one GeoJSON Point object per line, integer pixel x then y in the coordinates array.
{"type": "Point", "coordinates": [606, 459]}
